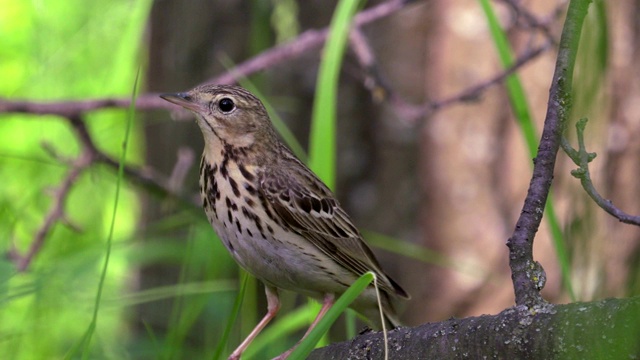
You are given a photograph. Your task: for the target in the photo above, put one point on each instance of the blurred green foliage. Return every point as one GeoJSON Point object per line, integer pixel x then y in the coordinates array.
{"type": "Point", "coordinates": [52, 50]}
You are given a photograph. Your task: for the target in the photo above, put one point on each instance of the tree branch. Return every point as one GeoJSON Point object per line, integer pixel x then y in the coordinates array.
{"type": "Point", "coordinates": [89, 156]}
{"type": "Point", "coordinates": [69, 109]}
{"type": "Point", "coordinates": [606, 329]}
{"type": "Point", "coordinates": [582, 158]}
{"type": "Point", "coordinates": [306, 41]}
{"type": "Point", "coordinates": [524, 270]}
{"type": "Point", "coordinates": [56, 212]}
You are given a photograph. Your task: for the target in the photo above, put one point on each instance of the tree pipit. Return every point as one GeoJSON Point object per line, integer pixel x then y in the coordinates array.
{"type": "Point", "coordinates": [273, 214]}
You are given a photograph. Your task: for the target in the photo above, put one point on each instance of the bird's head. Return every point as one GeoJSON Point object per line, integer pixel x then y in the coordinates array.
{"type": "Point", "coordinates": [230, 113]}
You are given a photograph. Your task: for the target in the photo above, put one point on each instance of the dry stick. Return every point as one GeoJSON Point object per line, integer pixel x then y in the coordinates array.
{"type": "Point", "coordinates": [305, 42]}
{"type": "Point", "coordinates": [380, 90]}
{"type": "Point", "coordinates": [149, 179]}
{"type": "Point", "coordinates": [56, 212]}
{"type": "Point", "coordinates": [413, 114]}
{"type": "Point", "coordinates": [181, 168]}
{"type": "Point", "coordinates": [89, 155]}
{"type": "Point", "coordinates": [372, 80]}
{"type": "Point", "coordinates": [532, 21]}
{"type": "Point", "coordinates": [145, 177]}
{"type": "Point", "coordinates": [524, 270]}
{"type": "Point", "coordinates": [69, 109]}
{"type": "Point", "coordinates": [473, 92]}
{"type": "Point", "coordinates": [308, 40]}
{"type": "Point", "coordinates": [582, 158]}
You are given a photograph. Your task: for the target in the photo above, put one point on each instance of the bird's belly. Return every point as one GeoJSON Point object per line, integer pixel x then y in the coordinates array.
{"type": "Point", "coordinates": [277, 257]}
{"type": "Point", "coordinates": [284, 263]}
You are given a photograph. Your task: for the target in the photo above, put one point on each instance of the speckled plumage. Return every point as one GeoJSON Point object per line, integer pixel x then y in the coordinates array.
{"type": "Point", "coordinates": [276, 218]}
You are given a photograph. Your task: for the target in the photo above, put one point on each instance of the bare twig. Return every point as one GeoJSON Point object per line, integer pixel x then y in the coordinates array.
{"type": "Point", "coordinates": [524, 270]}
{"type": "Point", "coordinates": [532, 21]}
{"type": "Point", "coordinates": [582, 158]}
{"type": "Point", "coordinates": [56, 212]}
{"type": "Point", "coordinates": [304, 42]}
{"type": "Point", "coordinates": [372, 80]}
{"type": "Point", "coordinates": [473, 92]}
{"type": "Point", "coordinates": [364, 54]}
{"type": "Point", "coordinates": [413, 113]}
{"type": "Point", "coordinates": [151, 181]}
{"type": "Point", "coordinates": [181, 168]}
{"type": "Point", "coordinates": [89, 156]}
{"type": "Point", "coordinates": [70, 109]}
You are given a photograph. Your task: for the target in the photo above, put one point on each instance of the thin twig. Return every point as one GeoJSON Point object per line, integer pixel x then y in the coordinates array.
{"type": "Point", "coordinates": [56, 212]}
{"type": "Point", "coordinates": [532, 21]}
{"type": "Point", "coordinates": [473, 92]}
{"type": "Point", "coordinates": [582, 158]}
{"type": "Point", "coordinates": [306, 41]}
{"type": "Point", "coordinates": [302, 44]}
{"type": "Point", "coordinates": [524, 270]}
{"type": "Point", "coordinates": [412, 113]}
{"type": "Point", "coordinates": [181, 168]}
{"type": "Point", "coordinates": [89, 156]}
{"type": "Point", "coordinates": [372, 80]}
{"type": "Point", "coordinates": [69, 109]}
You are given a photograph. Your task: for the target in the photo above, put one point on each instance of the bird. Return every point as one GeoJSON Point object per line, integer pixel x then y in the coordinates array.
{"type": "Point", "coordinates": [276, 218]}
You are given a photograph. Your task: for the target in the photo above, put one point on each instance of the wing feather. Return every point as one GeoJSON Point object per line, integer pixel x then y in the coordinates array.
{"type": "Point", "coordinates": [317, 216]}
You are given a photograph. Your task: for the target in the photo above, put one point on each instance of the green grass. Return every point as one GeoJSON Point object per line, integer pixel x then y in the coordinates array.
{"type": "Point", "coordinates": [49, 52]}
{"type": "Point", "coordinates": [322, 142]}
{"type": "Point", "coordinates": [340, 306]}
{"type": "Point", "coordinates": [86, 341]}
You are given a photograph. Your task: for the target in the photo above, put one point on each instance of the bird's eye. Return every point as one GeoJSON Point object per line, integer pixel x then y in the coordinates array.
{"type": "Point", "coordinates": [226, 105]}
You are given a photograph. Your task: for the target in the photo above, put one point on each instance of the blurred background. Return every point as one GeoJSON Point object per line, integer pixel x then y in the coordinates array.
{"type": "Point", "coordinates": [433, 165]}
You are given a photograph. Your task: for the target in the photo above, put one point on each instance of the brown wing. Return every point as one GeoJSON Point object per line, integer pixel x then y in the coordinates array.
{"type": "Point", "coordinates": [307, 206]}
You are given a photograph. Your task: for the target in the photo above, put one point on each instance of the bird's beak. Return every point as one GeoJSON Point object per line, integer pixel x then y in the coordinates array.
{"type": "Point", "coordinates": [183, 99]}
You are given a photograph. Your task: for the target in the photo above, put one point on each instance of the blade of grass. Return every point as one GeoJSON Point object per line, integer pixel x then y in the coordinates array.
{"type": "Point", "coordinates": [86, 341]}
{"type": "Point", "coordinates": [232, 317]}
{"type": "Point", "coordinates": [250, 306]}
{"type": "Point", "coordinates": [308, 344]}
{"type": "Point", "coordinates": [153, 339]}
{"type": "Point", "coordinates": [519, 104]}
{"type": "Point", "coordinates": [170, 291]}
{"type": "Point", "coordinates": [185, 311]}
{"type": "Point", "coordinates": [322, 141]}
{"type": "Point", "coordinates": [350, 323]}
{"type": "Point", "coordinates": [424, 254]}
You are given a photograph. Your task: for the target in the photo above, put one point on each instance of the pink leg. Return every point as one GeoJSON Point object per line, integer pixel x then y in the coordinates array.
{"type": "Point", "coordinates": [273, 305]}
{"type": "Point", "coordinates": [326, 305]}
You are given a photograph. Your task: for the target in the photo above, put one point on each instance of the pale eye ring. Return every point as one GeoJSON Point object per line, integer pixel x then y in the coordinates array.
{"type": "Point", "coordinates": [226, 105]}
